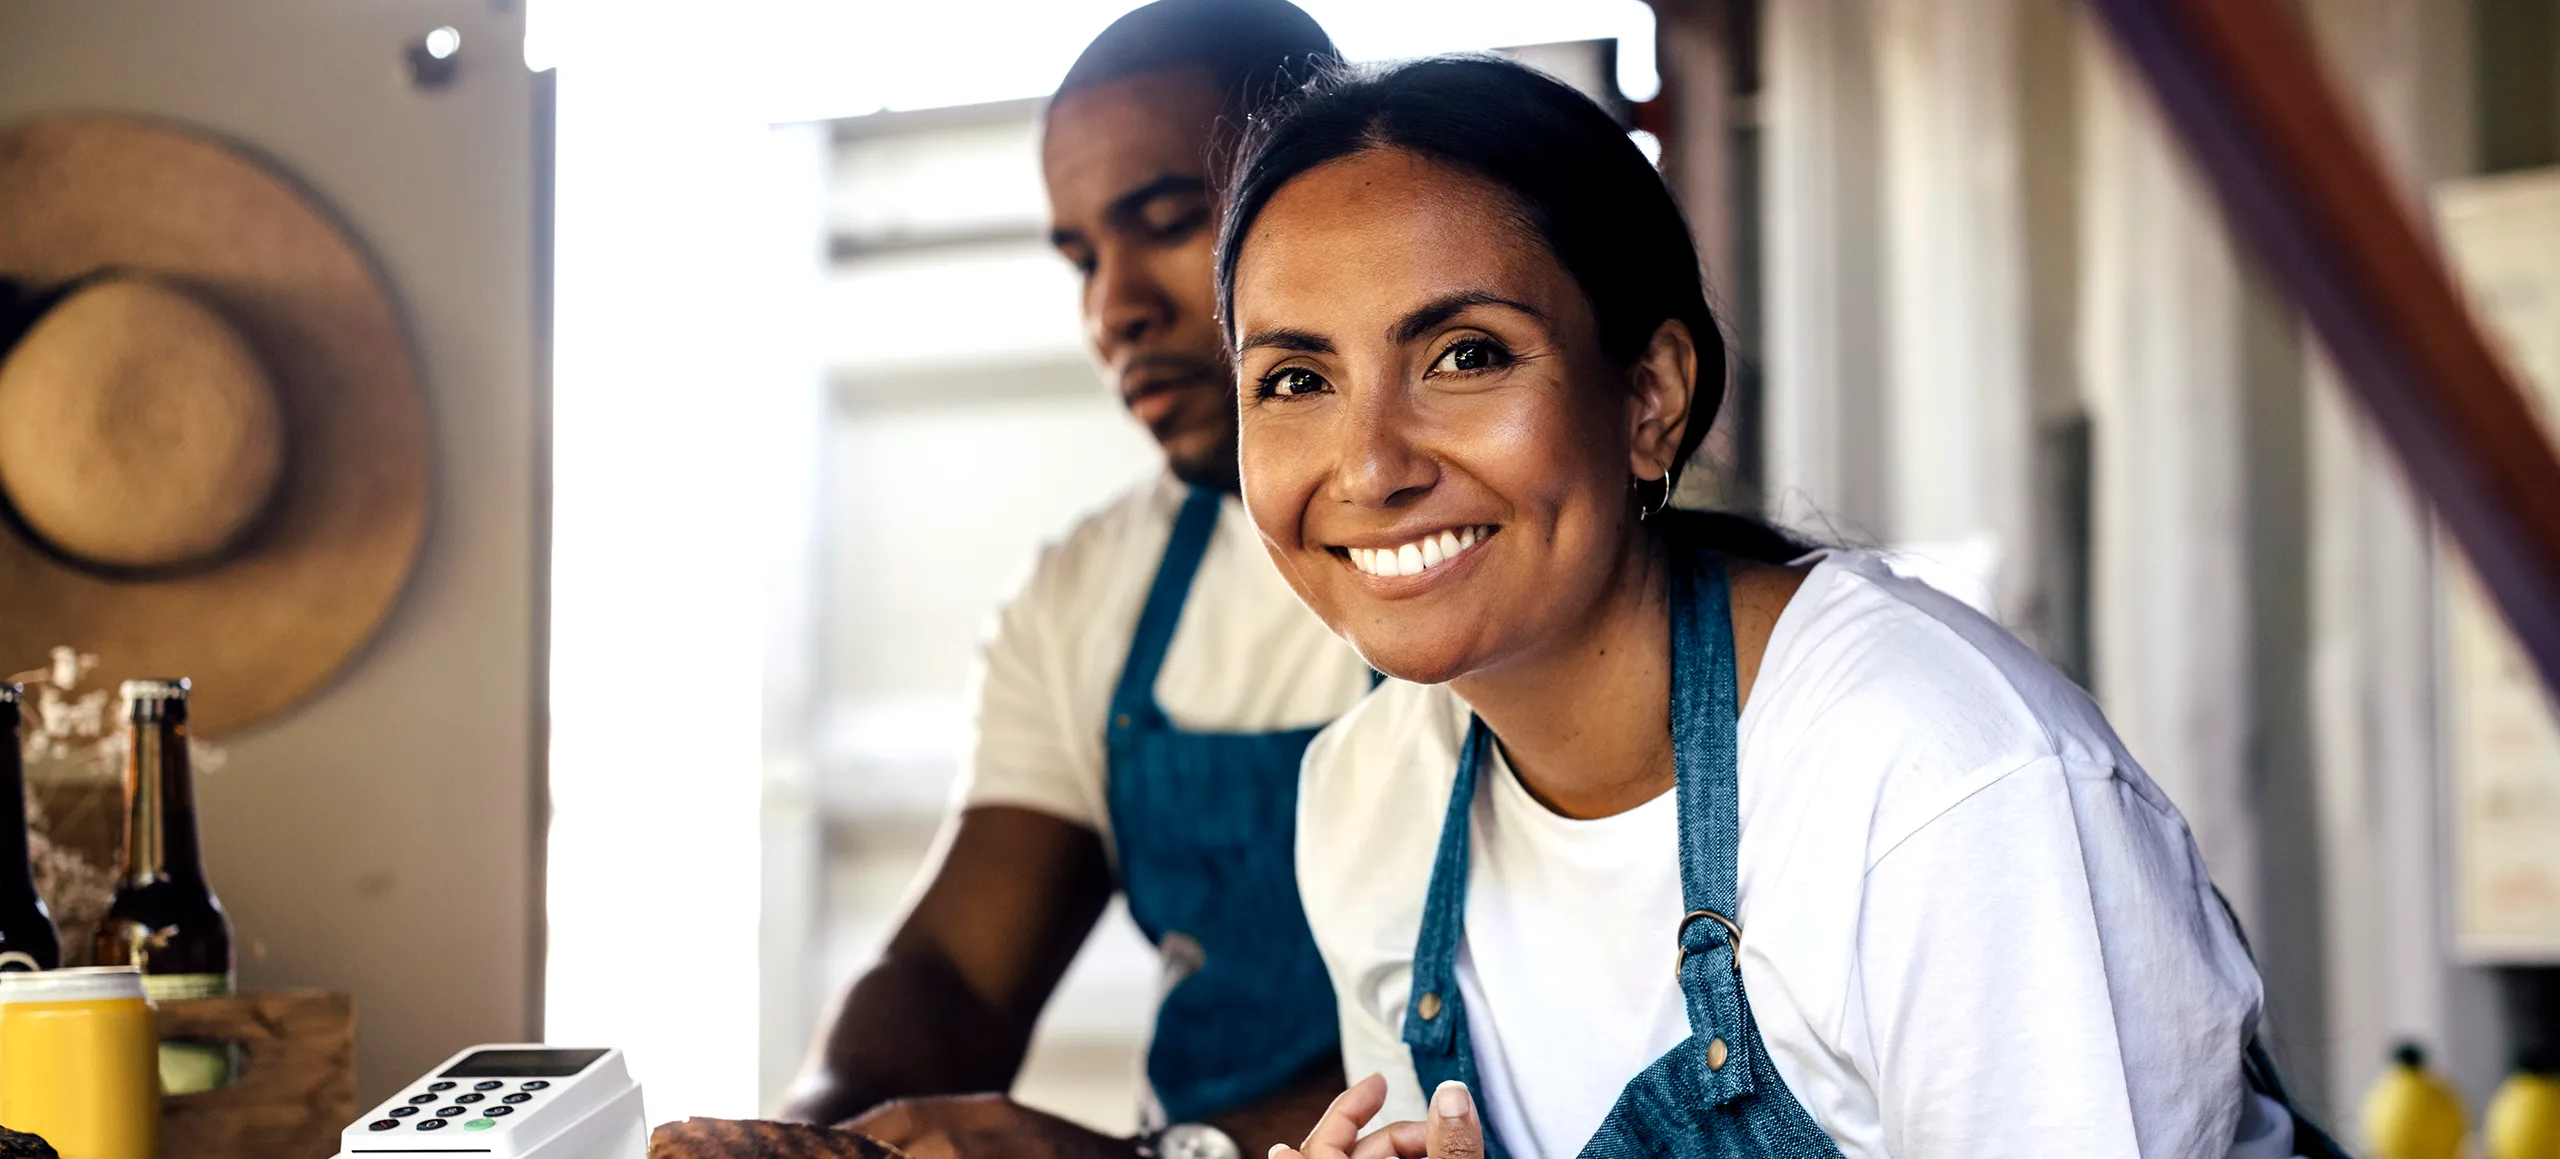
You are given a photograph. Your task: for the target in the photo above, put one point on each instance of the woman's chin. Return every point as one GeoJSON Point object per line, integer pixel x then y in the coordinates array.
{"type": "Point", "coordinates": [1413, 661]}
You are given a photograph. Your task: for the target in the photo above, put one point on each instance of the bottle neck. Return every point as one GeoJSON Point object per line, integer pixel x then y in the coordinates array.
{"type": "Point", "coordinates": [160, 804]}
{"type": "Point", "coordinates": [16, 863]}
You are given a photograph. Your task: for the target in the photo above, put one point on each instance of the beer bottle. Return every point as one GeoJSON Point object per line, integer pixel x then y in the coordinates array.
{"type": "Point", "coordinates": [164, 918]}
{"type": "Point", "coordinates": [27, 937]}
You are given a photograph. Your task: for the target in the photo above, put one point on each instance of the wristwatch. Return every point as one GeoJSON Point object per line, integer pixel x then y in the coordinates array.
{"type": "Point", "coordinates": [1188, 1141]}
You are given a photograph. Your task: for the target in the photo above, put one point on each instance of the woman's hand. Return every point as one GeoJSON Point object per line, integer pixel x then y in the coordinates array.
{"type": "Point", "coordinates": [1453, 1131]}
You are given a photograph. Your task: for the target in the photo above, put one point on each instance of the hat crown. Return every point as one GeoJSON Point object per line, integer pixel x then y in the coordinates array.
{"type": "Point", "coordinates": [138, 430]}
{"type": "Point", "coordinates": [258, 573]}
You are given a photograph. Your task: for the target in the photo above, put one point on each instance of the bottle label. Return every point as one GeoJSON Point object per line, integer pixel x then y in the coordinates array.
{"type": "Point", "coordinates": [174, 987]}
{"type": "Point", "coordinates": [192, 1066]}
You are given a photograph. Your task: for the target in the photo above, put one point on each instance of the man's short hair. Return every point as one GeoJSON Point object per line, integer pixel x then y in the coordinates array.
{"type": "Point", "coordinates": [1253, 50]}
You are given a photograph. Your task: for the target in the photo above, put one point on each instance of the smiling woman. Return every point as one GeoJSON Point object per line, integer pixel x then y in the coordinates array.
{"type": "Point", "coordinates": [1923, 901]}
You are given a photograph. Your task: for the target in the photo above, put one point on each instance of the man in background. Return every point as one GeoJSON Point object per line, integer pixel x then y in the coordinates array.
{"type": "Point", "coordinates": [1142, 703]}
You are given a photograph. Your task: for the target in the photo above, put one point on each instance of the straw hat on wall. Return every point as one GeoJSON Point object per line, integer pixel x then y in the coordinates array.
{"type": "Point", "coordinates": [213, 450]}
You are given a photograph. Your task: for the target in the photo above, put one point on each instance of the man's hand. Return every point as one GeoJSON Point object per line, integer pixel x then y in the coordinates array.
{"type": "Point", "coordinates": [1454, 1131]}
{"type": "Point", "coordinates": [752, 1139]}
{"type": "Point", "coordinates": [984, 1127]}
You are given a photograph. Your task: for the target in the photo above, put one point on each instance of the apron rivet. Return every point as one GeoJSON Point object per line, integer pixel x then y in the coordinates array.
{"type": "Point", "coordinates": [1428, 1006]}
{"type": "Point", "coordinates": [1716, 1054]}
{"type": "Point", "coordinates": [1121, 720]}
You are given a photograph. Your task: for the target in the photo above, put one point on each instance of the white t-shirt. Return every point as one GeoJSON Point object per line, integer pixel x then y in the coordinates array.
{"type": "Point", "coordinates": [1971, 925]}
{"type": "Point", "coordinates": [1246, 656]}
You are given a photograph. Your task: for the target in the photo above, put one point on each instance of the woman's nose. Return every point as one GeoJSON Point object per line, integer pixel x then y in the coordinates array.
{"type": "Point", "coordinates": [1382, 464]}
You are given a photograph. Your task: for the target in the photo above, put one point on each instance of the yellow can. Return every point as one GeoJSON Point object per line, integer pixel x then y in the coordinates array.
{"type": "Point", "coordinates": [80, 1062]}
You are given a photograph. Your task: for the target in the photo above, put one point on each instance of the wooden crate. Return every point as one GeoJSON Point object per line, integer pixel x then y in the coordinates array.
{"type": "Point", "coordinates": [297, 1083]}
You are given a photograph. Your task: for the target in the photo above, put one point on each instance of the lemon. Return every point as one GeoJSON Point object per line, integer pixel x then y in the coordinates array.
{"type": "Point", "coordinates": [2411, 1114]}
{"type": "Point", "coordinates": [2524, 1117]}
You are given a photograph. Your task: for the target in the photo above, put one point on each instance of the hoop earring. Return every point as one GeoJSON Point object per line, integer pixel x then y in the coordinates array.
{"type": "Point", "coordinates": [1647, 509]}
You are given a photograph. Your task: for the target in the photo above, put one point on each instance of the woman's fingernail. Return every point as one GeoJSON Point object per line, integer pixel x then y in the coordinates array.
{"type": "Point", "coordinates": [1274, 1152]}
{"type": "Point", "coordinates": [1451, 1101]}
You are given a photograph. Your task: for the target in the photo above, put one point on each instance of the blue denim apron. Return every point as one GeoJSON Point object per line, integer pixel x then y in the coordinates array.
{"type": "Point", "coordinates": [1206, 825]}
{"type": "Point", "coordinates": [1715, 1094]}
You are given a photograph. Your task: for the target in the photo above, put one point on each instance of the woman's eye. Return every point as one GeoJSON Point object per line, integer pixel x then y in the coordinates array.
{"type": "Point", "coordinates": [1290, 382]}
{"type": "Point", "coordinates": [1468, 355]}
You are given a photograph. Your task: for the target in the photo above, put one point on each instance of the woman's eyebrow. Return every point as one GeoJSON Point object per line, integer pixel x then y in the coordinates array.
{"type": "Point", "coordinates": [1301, 341]}
{"type": "Point", "coordinates": [1431, 314]}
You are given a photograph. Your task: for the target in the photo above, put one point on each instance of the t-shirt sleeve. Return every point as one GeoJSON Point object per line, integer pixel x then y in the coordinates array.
{"type": "Point", "coordinates": [1993, 941]}
{"type": "Point", "coordinates": [1031, 744]}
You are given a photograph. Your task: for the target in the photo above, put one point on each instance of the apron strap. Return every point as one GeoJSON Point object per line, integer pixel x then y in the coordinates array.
{"type": "Point", "coordinates": [1706, 755]}
{"type": "Point", "coordinates": [1435, 1013]}
{"type": "Point", "coordinates": [1133, 702]}
{"type": "Point", "coordinates": [1435, 1016]}
{"type": "Point", "coordinates": [1722, 1052]}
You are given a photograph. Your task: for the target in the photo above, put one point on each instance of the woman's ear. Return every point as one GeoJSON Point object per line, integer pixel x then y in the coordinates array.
{"type": "Point", "coordinates": [1662, 384]}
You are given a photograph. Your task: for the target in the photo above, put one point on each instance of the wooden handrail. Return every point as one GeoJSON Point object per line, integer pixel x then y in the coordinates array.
{"type": "Point", "coordinates": [2301, 185]}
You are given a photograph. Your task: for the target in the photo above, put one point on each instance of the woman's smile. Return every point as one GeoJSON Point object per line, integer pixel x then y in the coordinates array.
{"type": "Point", "coordinates": [1432, 555]}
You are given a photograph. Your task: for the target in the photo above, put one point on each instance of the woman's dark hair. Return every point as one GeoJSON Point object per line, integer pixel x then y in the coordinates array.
{"type": "Point", "coordinates": [1576, 181]}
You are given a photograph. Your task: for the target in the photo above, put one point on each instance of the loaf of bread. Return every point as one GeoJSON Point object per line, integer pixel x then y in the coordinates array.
{"type": "Point", "coordinates": [14, 1145]}
{"type": "Point", "coordinates": [759, 1139]}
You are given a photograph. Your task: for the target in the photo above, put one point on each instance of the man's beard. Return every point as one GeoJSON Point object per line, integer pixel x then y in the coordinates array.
{"type": "Point", "coordinates": [1212, 466]}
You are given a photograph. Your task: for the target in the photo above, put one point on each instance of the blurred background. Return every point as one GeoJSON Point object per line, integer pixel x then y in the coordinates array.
{"type": "Point", "coordinates": [757, 387]}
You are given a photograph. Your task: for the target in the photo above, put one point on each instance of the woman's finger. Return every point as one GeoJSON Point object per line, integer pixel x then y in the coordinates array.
{"type": "Point", "coordinates": [1400, 1140]}
{"type": "Point", "coordinates": [1339, 1129]}
{"type": "Point", "coordinates": [1455, 1131]}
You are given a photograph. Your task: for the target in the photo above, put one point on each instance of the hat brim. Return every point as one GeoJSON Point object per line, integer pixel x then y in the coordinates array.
{"type": "Point", "coordinates": [275, 618]}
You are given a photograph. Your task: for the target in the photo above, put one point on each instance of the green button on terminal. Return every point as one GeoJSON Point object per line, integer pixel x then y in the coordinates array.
{"type": "Point", "coordinates": [479, 1124]}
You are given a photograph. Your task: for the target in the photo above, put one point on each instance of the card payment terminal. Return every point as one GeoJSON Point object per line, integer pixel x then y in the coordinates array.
{"type": "Point", "coordinates": [517, 1101]}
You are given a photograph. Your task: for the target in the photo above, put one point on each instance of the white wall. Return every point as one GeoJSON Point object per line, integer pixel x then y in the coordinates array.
{"type": "Point", "coordinates": [2405, 66]}
{"type": "Point", "coordinates": [381, 838]}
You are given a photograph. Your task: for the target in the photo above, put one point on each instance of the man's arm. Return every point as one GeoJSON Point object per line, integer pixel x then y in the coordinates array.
{"type": "Point", "coordinates": [1284, 1115]}
{"type": "Point", "coordinates": [950, 1006]}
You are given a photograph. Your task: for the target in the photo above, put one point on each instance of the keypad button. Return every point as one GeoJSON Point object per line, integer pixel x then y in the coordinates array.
{"type": "Point", "coordinates": [439, 1086]}
{"type": "Point", "coordinates": [449, 1112]}
{"type": "Point", "coordinates": [421, 1100]}
{"type": "Point", "coordinates": [494, 1112]}
{"type": "Point", "coordinates": [479, 1124]}
{"type": "Point", "coordinates": [382, 1124]}
{"type": "Point", "coordinates": [490, 1085]}
{"type": "Point", "coordinates": [432, 1124]}
{"type": "Point", "coordinates": [403, 1112]}
{"type": "Point", "coordinates": [473, 1097]}
{"type": "Point", "coordinates": [535, 1085]}
{"type": "Point", "coordinates": [519, 1098]}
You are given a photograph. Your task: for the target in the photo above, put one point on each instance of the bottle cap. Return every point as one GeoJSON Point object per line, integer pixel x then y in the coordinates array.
{"type": "Point", "coordinates": [10, 693]}
{"type": "Point", "coordinates": [2410, 1054]}
{"type": "Point", "coordinates": [164, 688]}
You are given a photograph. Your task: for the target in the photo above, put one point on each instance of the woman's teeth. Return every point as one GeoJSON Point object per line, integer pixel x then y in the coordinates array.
{"type": "Point", "coordinates": [1419, 556]}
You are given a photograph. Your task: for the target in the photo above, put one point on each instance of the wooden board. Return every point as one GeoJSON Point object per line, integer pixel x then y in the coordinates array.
{"type": "Point", "coordinates": [2503, 236]}
{"type": "Point", "coordinates": [297, 1084]}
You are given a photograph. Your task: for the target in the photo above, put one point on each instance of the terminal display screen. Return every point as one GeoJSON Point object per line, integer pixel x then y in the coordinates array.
{"type": "Point", "coordinates": [522, 1064]}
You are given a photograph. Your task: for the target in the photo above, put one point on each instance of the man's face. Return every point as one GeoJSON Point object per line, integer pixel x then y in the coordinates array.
{"type": "Point", "coordinates": [1129, 204]}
